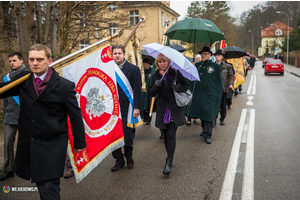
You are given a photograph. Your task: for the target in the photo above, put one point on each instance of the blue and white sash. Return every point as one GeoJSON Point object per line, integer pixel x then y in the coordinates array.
{"type": "Point", "coordinates": [126, 87]}
{"type": "Point", "coordinates": [16, 98]}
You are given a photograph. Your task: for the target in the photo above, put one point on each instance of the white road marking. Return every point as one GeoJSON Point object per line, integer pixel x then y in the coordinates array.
{"type": "Point", "coordinates": [248, 179]}
{"type": "Point", "coordinates": [252, 85]}
{"type": "Point", "coordinates": [250, 102]}
{"type": "Point", "coordinates": [227, 188]}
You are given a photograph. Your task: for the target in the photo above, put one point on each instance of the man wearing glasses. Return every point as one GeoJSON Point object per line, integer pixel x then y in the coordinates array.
{"type": "Point", "coordinates": [207, 94]}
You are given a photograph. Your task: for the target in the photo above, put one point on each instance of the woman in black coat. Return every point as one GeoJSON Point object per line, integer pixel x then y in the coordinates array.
{"type": "Point", "coordinates": [168, 115]}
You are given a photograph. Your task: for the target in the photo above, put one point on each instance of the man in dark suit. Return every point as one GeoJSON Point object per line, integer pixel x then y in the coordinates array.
{"type": "Point", "coordinates": [133, 75]}
{"type": "Point", "coordinates": [47, 100]}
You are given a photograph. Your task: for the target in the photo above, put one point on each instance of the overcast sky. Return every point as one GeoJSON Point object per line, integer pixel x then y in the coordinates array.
{"type": "Point", "coordinates": [237, 7]}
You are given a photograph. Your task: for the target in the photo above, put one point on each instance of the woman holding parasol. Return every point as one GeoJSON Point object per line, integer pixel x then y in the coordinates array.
{"type": "Point", "coordinates": [168, 115]}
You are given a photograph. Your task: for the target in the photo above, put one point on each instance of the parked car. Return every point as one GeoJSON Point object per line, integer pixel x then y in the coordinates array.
{"type": "Point", "coordinates": [265, 60]}
{"type": "Point", "coordinates": [274, 66]}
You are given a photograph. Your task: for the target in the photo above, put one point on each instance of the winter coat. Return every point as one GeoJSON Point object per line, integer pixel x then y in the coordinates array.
{"type": "Point", "coordinates": [43, 127]}
{"type": "Point", "coordinates": [165, 97]}
{"type": "Point", "coordinates": [207, 92]}
{"type": "Point", "coordinates": [227, 76]}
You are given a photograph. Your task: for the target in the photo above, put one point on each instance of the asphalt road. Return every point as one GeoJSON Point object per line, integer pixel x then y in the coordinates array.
{"type": "Point", "coordinates": [262, 143]}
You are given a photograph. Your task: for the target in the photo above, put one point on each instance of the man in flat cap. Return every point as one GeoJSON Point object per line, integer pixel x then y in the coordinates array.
{"type": "Point", "coordinates": [207, 94]}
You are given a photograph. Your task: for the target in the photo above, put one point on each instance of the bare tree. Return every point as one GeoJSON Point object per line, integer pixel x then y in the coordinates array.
{"type": "Point", "coordinates": [21, 30]}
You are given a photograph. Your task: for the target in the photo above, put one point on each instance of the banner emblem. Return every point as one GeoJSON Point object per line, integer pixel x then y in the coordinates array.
{"type": "Point", "coordinates": [99, 113]}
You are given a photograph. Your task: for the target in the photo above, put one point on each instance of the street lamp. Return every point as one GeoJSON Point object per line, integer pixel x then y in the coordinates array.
{"type": "Point", "coordinates": [252, 40]}
{"type": "Point", "coordinates": [288, 37]}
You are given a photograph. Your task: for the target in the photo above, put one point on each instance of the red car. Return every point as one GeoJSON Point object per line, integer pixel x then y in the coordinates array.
{"type": "Point", "coordinates": [274, 66]}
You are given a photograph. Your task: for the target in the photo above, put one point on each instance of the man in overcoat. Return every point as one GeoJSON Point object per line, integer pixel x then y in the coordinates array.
{"type": "Point", "coordinates": [133, 75]}
{"type": "Point", "coordinates": [47, 101]}
{"type": "Point", "coordinates": [228, 82]}
{"type": "Point", "coordinates": [207, 94]}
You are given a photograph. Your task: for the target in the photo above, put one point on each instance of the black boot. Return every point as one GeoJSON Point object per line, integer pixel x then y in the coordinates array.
{"type": "Point", "coordinates": [162, 134]}
{"type": "Point", "coordinates": [168, 166]}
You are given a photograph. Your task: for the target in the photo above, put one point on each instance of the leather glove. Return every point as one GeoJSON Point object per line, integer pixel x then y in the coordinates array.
{"type": "Point", "coordinates": [158, 83]}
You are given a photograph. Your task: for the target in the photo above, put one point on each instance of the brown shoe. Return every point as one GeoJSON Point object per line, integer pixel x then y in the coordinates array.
{"type": "Point", "coordinates": [68, 174]}
{"type": "Point", "coordinates": [117, 167]}
{"type": "Point", "coordinates": [130, 163]}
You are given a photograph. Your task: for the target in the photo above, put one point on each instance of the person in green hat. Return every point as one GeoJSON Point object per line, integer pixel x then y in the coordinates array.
{"type": "Point", "coordinates": [207, 94]}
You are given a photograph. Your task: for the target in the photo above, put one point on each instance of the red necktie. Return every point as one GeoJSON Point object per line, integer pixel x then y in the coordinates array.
{"type": "Point", "coordinates": [38, 81]}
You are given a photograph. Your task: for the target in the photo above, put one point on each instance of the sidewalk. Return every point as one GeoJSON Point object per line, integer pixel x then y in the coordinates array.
{"type": "Point", "coordinates": [292, 69]}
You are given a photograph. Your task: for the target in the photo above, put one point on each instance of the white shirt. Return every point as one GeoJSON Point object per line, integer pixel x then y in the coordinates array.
{"type": "Point", "coordinates": [41, 77]}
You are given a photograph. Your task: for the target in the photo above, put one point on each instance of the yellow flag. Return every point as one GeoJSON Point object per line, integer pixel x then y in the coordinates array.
{"type": "Point", "coordinates": [133, 55]}
{"type": "Point", "coordinates": [239, 77]}
{"type": "Point", "coordinates": [129, 53]}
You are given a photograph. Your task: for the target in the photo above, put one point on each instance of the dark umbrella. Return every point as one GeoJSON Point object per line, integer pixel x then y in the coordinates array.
{"type": "Point", "coordinates": [146, 55]}
{"type": "Point", "coordinates": [233, 52]}
{"type": "Point", "coordinates": [177, 47]}
{"type": "Point", "coordinates": [195, 30]}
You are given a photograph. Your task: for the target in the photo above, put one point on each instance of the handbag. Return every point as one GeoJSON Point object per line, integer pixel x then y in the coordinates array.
{"type": "Point", "coordinates": [182, 98]}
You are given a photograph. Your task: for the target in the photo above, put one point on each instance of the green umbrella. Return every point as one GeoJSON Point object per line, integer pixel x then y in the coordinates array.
{"type": "Point", "coordinates": [194, 30]}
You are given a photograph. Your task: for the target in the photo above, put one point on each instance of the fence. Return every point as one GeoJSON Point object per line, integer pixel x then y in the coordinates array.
{"type": "Point", "coordinates": [294, 58]}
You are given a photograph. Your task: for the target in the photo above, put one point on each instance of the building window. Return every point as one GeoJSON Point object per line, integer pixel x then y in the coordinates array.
{"type": "Point", "coordinates": [173, 21]}
{"type": "Point", "coordinates": [278, 32]}
{"type": "Point", "coordinates": [162, 19]}
{"type": "Point", "coordinates": [112, 28]}
{"type": "Point", "coordinates": [112, 7]}
{"type": "Point", "coordinates": [84, 22]}
{"type": "Point", "coordinates": [133, 17]}
{"type": "Point", "coordinates": [84, 43]}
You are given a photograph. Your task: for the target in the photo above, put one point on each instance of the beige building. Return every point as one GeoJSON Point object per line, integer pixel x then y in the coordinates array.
{"type": "Point", "coordinates": [152, 28]}
{"type": "Point", "coordinates": [272, 38]}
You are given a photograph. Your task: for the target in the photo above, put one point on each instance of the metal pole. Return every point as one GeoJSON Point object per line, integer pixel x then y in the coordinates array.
{"type": "Point", "coordinates": [288, 37]}
{"type": "Point", "coordinates": [252, 40]}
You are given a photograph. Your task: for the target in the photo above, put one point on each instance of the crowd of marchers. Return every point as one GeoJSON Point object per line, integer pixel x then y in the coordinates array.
{"type": "Point", "coordinates": [211, 96]}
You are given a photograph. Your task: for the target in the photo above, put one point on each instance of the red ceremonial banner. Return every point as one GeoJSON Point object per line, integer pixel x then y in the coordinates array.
{"type": "Point", "coordinates": [97, 96]}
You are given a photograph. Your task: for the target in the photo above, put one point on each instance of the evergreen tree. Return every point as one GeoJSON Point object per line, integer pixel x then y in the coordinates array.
{"type": "Point", "coordinates": [294, 40]}
{"type": "Point", "coordinates": [218, 13]}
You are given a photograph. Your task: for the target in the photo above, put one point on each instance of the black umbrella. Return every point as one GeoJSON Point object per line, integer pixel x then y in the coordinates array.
{"type": "Point", "coordinates": [177, 47]}
{"type": "Point", "coordinates": [233, 52]}
{"type": "Point", "coordinates": [146, 55]}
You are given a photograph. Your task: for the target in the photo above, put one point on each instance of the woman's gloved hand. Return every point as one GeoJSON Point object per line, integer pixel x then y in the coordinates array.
{"type": "Point", "coordinates": [158, 83]}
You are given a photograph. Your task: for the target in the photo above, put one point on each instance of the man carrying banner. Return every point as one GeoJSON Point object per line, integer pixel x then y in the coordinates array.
{"type": "Point", "coordinates": [47, 101]}
{"type": "Point", "coordinates": [132, 76]}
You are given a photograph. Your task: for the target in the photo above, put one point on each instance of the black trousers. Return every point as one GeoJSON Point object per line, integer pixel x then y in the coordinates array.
{"type": "Point", "coordinates": [223, 106]}
{"type": "Point", "coordinates": [207, 128]}
{"type": "Point", "coordinates": [170, 139]}
{"type": "Point", "coordinates": [117, 154]}
{"type": "Point", "coordinates": [49, 189]}
{"type": "Point", "coordinates": [229, 101]}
